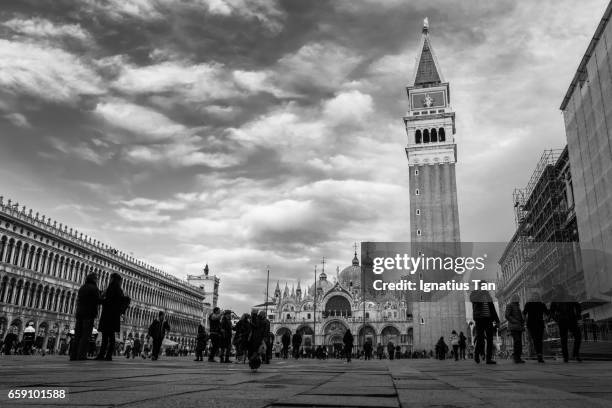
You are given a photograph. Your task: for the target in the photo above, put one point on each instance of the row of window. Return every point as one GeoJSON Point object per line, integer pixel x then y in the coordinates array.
{"type": "Point", "coordinates": [429, 135]}
{"type": "Point", "coordinates": [41, 260]}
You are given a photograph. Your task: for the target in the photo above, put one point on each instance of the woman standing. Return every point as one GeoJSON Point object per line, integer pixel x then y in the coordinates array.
{"type": "Point", "coordinates": [114, 304]}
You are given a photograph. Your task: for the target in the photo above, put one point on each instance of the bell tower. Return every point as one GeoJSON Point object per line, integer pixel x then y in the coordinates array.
{"type": "Point", "coordinates": [434, 215]}
{"type": "Point", "coordinates": [431, 150]}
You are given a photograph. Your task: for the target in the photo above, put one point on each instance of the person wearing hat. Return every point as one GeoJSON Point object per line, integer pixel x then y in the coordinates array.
{"type": "Point", "coordinates": [28, 339]}
{"type": "Point", "coordinates": [88, 299]}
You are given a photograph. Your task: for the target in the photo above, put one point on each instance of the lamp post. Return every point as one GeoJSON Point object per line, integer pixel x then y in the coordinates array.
{"type": "Point", "coordinates": [267, 287]}
{"type": "Point", "coordinates": [314, 313]}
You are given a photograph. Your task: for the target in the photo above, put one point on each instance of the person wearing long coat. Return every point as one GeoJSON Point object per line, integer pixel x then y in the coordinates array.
{"type": "Point", "coordinates": [114, 304]}
{"type": "Point", "coordinates": [241, 339]}
{"type": "Point", "coordinates": [256, 340]}
{"type": "Point", "coordinates": [348, 344]}
{"type": "Point", "coordinates": [86, 312]}
{"type": "Point", "coordinates": [534, 313]}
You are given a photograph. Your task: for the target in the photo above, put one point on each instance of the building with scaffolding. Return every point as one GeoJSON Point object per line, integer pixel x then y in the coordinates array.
{"type": "Point", "coordinates": [544, 250]}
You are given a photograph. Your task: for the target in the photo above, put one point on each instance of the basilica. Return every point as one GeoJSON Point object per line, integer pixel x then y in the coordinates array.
{"type": "Point", "coordinates": [325, 309]}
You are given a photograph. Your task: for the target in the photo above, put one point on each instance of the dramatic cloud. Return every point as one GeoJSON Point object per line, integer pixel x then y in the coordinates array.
{"type": "Point", "coordinates": [247, 133]}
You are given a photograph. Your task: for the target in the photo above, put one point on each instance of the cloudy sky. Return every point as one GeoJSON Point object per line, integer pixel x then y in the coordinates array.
{"type": "Point", "coordinates": [244, 133]}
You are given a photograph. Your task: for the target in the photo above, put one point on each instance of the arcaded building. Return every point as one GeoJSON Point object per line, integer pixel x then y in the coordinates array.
{"type": "Point", "coordinates": [587, 111]}
{"type": "Point", "coordinates": [43, 263]}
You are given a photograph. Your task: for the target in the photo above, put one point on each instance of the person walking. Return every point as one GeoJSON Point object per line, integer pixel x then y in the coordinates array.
{"type": "Point", "coordinates": [157, 331]}
{"type": "Point", "coordinates": [348, 344]}
{"type": "Point", "coordinates": [114, 304]}
{"type": "Point", "coordinates": [296, 342]}
{"type": "Point", "coordinates": [462, 345]}
{"type": "Point", "coordinates": [566, 312]}
{"type": "Point", "coordinates": [286, 341]}
{"type": "Point", "coordinates": [241, 338]}
{"type": "Point", "coordinates": [390, 350]}
{"type": "Point", "coordinates": [256, 344]}
{"type": "Point", "coordinates": [29, 333]}
{"type": "Point", "coordinates": [226, 337]}
{"type": "Point", "coordinates": [441, 349]}
{"type": "Point", "coordinates": [516, 325]}
{"type": "Point", "coordinates": [367, 348]}
{"type": "Point", "coordinates": [214, 324]}
{"type": "Point", "coordinates": [454, 342]}
{"type": "Point", "coordinates": [534, 313]}
{"type": "Point", "coordinates": [485, 317]}
{"type": "Point", "coordinates": [202, 339]}
{"type": "Point", "coordinates": [88, 299]}
{"type": "Point", "coordinates": [380, 351]}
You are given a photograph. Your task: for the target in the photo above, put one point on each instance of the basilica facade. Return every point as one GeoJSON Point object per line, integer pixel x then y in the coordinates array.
{"type": "Point", "coordinates": [323, 310]}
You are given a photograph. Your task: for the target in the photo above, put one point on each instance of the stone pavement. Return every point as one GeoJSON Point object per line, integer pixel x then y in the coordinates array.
{"type": "Point", "coordinates": [181, 382]}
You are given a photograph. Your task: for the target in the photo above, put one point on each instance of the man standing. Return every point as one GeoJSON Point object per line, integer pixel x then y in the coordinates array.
{"type": "Point", "coordinates": [348, 345]}
{"type": "Point", "coordinates": [226, 336]}
{"type": "Point", "coordinates": [157, 331]}
{"type": "Point", "coordinates": [28, 339]}
{"type": "Point", "coordinates": [485, 316]}
{"type": "Point", "coordinates": [88, 300]}
{"type": "Point", "coordinates": [214, 323]}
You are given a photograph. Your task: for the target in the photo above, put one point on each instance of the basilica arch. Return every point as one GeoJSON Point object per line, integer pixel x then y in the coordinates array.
{"type": "Point", "coordinates": [281, 331]}
{"type": "Point", "coordinates": [338, 305]}
{"type": "Point", "coordinates": [333, 332]}
{"type": "Point", "coordinates": [366, 332]}
{"type": "Point", "coordinates": [390, 333]}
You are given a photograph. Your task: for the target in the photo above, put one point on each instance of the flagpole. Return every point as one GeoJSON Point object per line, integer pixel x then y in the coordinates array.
{"type": "Point", "coordinates": [314, 314]}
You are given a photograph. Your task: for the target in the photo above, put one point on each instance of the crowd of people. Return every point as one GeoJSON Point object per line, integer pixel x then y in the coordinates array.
{"type": "Point", "coordinates": [250, 339]}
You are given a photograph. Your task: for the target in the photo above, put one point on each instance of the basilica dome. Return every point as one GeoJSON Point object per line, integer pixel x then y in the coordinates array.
{"type": "Point", "coordinates": [350, 277]}
{"type": "Point", "coordinates": [323, 285]}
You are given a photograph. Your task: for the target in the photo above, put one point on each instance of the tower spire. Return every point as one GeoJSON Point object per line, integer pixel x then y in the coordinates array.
{"type": "Point", "coordinates": [427, 70]}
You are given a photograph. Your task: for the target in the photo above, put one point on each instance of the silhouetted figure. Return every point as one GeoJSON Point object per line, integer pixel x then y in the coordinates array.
{"type": "Point", "coordinates": [516, 325]}
{"type": "Point", "coordinates": [201, 341]}
{"type": "Point", "coordinates": [29, 335]}
{"type": "Point", "coordinates": [257, 345]}
{"type": "Point", "coordinates": [226, 336]}
{"type": "Point", "coordinates": [114, 304]}
{"type": "Point", "coordinates": [157, 332]}
{"type": "Point", "coordinates": [534, 313]}
{"type": "Point", "coordinates": [88, 299]}
{"type": "Point", "coordinates": [214, 324]}
{"type": "Point", "coordinates": [241, 339]}
{"type": "Point", "coordinates": [485, 317]}
{"type": "Point", "coordinates": [391, 350]}
{"type": "Point", "coordinates": [441, 349]}
{"type": "Point", "coordinates": [368, 348]}
{"type": "Point", "coordinates": [462, 345]}
{"type": "Point", "coordinates": [348, 344]}
{"type": "Point", "coordinates": [296, 342]}
{"type": "Point", "coordinates": [286, 341]}
{"type": "Point", "coordinates": [566, 312]}
{"type": "Point", "coordinates": [137, 347]}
